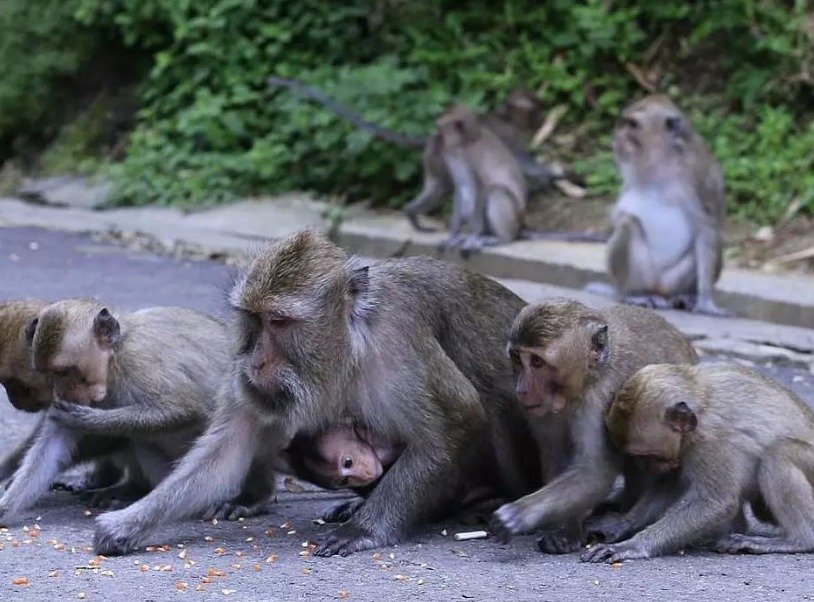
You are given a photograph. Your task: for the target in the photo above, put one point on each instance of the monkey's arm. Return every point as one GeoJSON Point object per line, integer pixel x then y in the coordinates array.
{"type": "Point", "coordinates": [212, 472]}
{"type": "Point", "coordinates": [651, 505]}
{"type": "Point", "coordinates": [581, 487]}
{"type": "Point", "coordinates": [51, 452]}
{"type": "Point", "coordinates": [12, 461]}
{"type": "Point", "coordinates": [123, 421]}
{"type": "Point", "coordinates": [708, 245]}
{"type": "Point", "coordinates": [424, 480]}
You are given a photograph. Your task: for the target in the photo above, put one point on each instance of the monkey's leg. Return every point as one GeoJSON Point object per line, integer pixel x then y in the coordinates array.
{"type": "Point", "coordinates": [707, 250]}
{"type": "Point", "coordinates": [51, 452]}
{"type": "Point", "coordinates": [12, 461]}
{"type": "Point", "coordinates": [431, 196]}
{"type": "Point", "coordinates": [630, 264]}
{"type": "Point", "coordinates": [465, 202]}
{"type": "Point", "coordinates": [688, 520]}
{"type": "Point", "coordinates": [211, 472]}
{"type": "Point", "coordinates": [785, 478]}
{"type": "Point", "coordinates": [409, 491]}
{"type": "Point", "coordinates": [648, 508]}
{"type": "Point", "coordinates": [255, 495]}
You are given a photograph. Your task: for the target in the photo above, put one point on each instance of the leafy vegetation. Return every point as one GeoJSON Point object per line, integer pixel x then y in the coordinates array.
{"type": "Point", "coordinates": [209, 129]}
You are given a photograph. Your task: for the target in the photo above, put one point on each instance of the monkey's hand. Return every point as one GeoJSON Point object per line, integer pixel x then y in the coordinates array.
{"type": "Point", "coordinates": [343, 511]}
{"type": "Point", "coordinates": [608, 528]}
{"type": "Point", "coordinates": [616, 552]}
{"type": "Point", "coordinates": [508, 521]}
{"type": "Point", "coordinates": [71, 415]}
{"type": "Point", "coordinates": [561, 541]}
{"type": "Point", "coordinates": [347, 539]}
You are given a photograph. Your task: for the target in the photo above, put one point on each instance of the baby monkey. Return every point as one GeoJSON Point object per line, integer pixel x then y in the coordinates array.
{"type": "Point", "coordinates": [722, 435]}
{"type": "Point", "coordinates": [341, 457]}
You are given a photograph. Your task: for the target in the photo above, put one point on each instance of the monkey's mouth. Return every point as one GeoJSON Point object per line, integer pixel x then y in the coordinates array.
{"type": "Point", "coordinates": [536, 409]}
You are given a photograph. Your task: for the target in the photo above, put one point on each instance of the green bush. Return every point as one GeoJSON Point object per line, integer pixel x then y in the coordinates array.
{"type": "Point", "coordinates": [210, 129]}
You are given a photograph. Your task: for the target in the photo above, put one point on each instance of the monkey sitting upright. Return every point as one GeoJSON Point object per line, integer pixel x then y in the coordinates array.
{"type": "Point", "coordinates": [148, 377]}
{"type": "Point", "coordinates": [724, 435]}
{"type": "Point", "coordinates": [666, 249]}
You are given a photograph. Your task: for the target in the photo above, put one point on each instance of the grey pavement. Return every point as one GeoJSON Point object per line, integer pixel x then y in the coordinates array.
{"type": "Point", "coordinates": [266, 558]}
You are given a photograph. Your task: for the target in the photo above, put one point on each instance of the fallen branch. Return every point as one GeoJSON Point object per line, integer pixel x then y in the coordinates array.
{"type": "Point", "coordinates": [549, 125]}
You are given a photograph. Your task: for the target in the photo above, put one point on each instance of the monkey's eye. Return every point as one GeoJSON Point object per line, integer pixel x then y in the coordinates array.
{"type": "Point", "coordinates": [347, 463]}
{"type": "Point", "coordinates": [60, 372]}
{"type": "Point", "coordinates": [673, 124]}
{"type": "Point", "coordinates": [630, 122]}
{"type": "Point", "coordinates": [537, 361]}
{"type": "Point", "coordinates": [276, 320]}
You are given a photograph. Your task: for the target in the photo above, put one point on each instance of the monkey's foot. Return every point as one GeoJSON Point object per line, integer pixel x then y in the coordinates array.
{"type": "Point", "coordinates": [601, 288]}
{"type": "Point", "coordinates": [347, 539]}
{"type": "Point", "coordinates": [451, 243]}
{"type": "Point", "coordinates": [737, 543]}
{"type": "Point", "coordinates": [342, 511]}
{"type": "Point", "coordinates": [507, 521]}
{"type": "Point", "coordinates": [708, 307]}
{"type": "Point", "coordinates": [113, 536]}
{"type": "Point", "coordinates": [616, 552]}
{"type": "Point", "coordinates": [608, 528]}
{"type": "Point", "coordinates": [113, 497]}
{"type": "Point", "coordinates": [651, 301]}
{"type": "Point", "coordinates": [234, 510]}
{"type": "Point", "coordinates": [560, 541]}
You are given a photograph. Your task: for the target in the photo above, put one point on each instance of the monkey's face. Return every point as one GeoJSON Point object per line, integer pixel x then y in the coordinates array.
{"type": "Point", "coordinates": [74, 348]}
{"type": "Point", "coordinates": [523, 109]}
{"type": "Point", "coordinates": [458, 126]}
{"type": "Point", "coordinates": [646, 135]}
{"type": "Point", "coordinates": [340, 461]}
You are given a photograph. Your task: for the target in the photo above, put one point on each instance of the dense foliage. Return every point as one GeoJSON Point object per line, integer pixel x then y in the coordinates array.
{"type": "Point", "coordinates": [209, 129]}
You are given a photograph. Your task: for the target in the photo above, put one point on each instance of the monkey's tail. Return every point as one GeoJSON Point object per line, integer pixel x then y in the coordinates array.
{"type": "Point", "coordinates": [567, 235]}
{"type": "Point", "coordinates": [343, 111]}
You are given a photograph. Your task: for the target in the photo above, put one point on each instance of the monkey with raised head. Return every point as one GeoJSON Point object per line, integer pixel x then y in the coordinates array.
{"type": "Point", "coordinates": [725, 435]}
{"type": "Point", "coordinates": [666, 249]}
{"type": "Point", "coordinates": [513, 123]}
{"type": "Point", "coordinates": [148, 377]}
{"type": "Point", "coordinates": [31, 391]}
{"type": "Point", "coordinates": [410, 349]}
{"type": "Point", "coordinates": [569, 360]}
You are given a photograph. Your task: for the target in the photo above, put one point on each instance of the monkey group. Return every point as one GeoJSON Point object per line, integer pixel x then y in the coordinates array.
{"type": "Point", "coordinates": [422, 387]}
{"type": "Point", "coordinates": [665, 248]}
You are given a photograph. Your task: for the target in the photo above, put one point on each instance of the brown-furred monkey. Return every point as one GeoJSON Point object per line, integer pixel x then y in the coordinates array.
{"type": "Point", "coordinates": [569, 361]}
{"type": "Point", "coordinates": [411, 349]}
{"type": "Point", "coordinates": [666, 249]}
{"type": "Point", "coordinates": [723, 435]}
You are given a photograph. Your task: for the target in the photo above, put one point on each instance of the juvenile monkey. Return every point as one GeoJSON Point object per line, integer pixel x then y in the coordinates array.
{"type": "Point", "coordinates": [569, 360]}
{"type": "Point", "coordinates": [412, 349]}
{"type": "Point", "coordinates": [724, 435]}
{"type": "Point", "coordinates": [514, 123]}
{"type": "Point", "coordinates": [667, 243]}
{"type": "Point", "coordinates": [148, 377]}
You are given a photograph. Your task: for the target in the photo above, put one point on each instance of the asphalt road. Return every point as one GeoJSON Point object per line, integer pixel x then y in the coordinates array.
{"type": "Point", "coordinates": [264, 558]}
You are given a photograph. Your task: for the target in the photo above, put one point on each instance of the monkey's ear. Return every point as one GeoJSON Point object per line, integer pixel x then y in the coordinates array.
{"type": "Point", "coordinates": [106, 328]}
{"type": "Point", "coordinates": [359, 290]}
{"type": "Point", "coordinates": [681, 418]}
{"type": "Point", "coordinates": [30, 329]}
{"type": "Point", "coordinates": [600, 350]}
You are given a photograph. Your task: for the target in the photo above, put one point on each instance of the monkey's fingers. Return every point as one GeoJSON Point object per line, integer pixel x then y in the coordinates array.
{"type": "Point", "coordinates": [600, 553]}
{"type": "Point", "coordinates": [346, 540]}
{"type": "Point", "coordinates": [343, 511]}
{"type": "Point", "coordinates": [505, 523]}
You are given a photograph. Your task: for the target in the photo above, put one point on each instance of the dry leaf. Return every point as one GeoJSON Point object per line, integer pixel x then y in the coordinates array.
{"type": "Point", "coordinates": [257, 568]}
{"type": "Point", "coordinates": [181, 586]}
{"type": "Point", "coordinates": [306, 571]}
{"type": "Point", "coordinates": [19, 581]}
{"type": "Point", "coordinates": [401, 578]}
{"type": "Point", "coordinates": [53, 574]}
{"type": "Point", "coordinates": [292, 486]}
{"type": "Point", "coordinates": [208, 538]}
{"type": "Point", "coordinates": [81, 595]}
{"type": "Point", "coordinates": [220, 551]}
{"type": "Point", "coordinates": [343, 595]}
{"type": "Point", "coordinates": [272, 558]}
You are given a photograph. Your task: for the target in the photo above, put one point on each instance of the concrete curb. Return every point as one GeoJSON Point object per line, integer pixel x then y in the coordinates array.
{"type": "Point", "coordinates": [782, 299]}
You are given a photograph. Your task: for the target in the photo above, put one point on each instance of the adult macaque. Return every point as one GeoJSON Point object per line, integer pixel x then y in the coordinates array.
{"type": "Point", "coordinates": [724, 435]}
{"type": "Point", "coordinates": [147, 377]}
{"type": "Point", "coordinates": [514, 123]}
{"type": "Point", "coordinates": [666, 249]}
{"type": "Point", "coordinates": [410, 349]}
{"type": "Point", "coordinates": [569, 361]}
